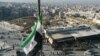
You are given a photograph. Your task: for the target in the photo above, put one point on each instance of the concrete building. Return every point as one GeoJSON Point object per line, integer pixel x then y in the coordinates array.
{"type": "Point", "coordinates": [96, 21]}
{"type": "Point", "coordinates": [69, 36]}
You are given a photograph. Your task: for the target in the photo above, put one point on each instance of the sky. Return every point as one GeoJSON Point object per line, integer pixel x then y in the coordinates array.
{"type": "Point", "coordinates": [51, 1]}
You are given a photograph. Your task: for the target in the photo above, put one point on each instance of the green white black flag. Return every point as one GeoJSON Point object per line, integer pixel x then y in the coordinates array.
{"type": "Point", "coordinates": [34, 39]}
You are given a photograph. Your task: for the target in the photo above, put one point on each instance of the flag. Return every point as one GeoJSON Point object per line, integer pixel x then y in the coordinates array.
{"type": "Point", "coordinates": [33, 43]}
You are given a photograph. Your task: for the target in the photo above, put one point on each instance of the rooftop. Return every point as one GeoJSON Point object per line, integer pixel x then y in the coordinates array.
{"type": "Point", "coordinates": [80, 31]}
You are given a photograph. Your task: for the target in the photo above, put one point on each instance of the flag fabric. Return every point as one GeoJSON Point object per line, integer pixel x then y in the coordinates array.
{"type": "Point", "coordinates": [33, 43]}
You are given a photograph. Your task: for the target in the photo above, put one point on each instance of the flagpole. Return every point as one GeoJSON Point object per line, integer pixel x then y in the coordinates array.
{"type": "Point", "coordinates": [39, 14]}
{"type": "Point", "coordinates": [39, 7]}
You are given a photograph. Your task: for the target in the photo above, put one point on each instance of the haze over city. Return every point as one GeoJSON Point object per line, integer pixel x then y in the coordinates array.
{"type": "Point", "coordinates": [52, 1]}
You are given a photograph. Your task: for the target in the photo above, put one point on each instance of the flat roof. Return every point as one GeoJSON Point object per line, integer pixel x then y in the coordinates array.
{"type": "Point", "coordinates": [65, 33]}
{"type": "Point", "coordinates": [59, 36]}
